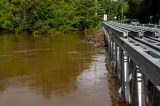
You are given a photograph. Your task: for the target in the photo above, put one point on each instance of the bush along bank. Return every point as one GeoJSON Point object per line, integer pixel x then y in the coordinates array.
{"type": "Point", "coordinates": [97, 39]}
{"type": "Point", "coordinates": [49, 16]}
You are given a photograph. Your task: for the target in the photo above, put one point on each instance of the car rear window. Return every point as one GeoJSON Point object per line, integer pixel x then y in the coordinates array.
{"type": "Point", "coordinates": [135, 20]}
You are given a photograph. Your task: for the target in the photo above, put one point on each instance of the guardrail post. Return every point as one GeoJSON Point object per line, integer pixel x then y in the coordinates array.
{"type": "Point", "coordinates": [156, 97]}
{"type": "Point", "coordinates": [115, 56]}
{"type": "Point", "coordinates": [132, 69]}
{"type": "Point", "coordinates": [139, 89]}
{"type": "Point", "coordinates": [111, 51]}
{"type": "Point", "coordinates": [113, 45]}
{"type": "Point", "coordinates": [120, 65]}
{"type": "Point", "coordinates": [144, 90]}
{"type": "Point", "coordinates": [118, 60]}
{"type": "Point", "coordinates": [141, 80]}
{"type": "Point", "coordinates": [134, 91]}
{"type": "Point", "coordinates": [125, 78]}
{"type": "Point", "coordinates": [109, 44]}
{"type": "Point", "coordinates": [106, 40]}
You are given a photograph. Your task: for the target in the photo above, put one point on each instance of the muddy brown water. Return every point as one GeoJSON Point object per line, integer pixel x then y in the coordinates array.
{"type": "Point", "coordinates": [62, 70]}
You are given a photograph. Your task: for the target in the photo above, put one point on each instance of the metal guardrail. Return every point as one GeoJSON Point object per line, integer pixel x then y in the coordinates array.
{"type": "Point", "coordinates": [134, 49]}
{"type": "Point", "coordinates": [150, 25]}
{"type": "Point", "coordinates": [148, 31]}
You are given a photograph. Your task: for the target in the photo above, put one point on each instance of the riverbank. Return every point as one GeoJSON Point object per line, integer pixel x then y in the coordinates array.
{"type": "Point", "coordinates": [97, 39]}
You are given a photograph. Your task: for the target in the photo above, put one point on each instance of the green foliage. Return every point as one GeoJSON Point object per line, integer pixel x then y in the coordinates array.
{"type": "Point", "coordinates": [47, 16]}
{"type": "Point", "coordinates": [8, 25]}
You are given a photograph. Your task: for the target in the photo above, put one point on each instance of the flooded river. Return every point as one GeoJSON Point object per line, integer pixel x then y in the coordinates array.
{"type": "Point", "coordinates": [53, 71]}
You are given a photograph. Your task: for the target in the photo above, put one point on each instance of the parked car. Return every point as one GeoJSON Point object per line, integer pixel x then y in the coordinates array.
{"type": "Point", "coordinates": [135, 22]}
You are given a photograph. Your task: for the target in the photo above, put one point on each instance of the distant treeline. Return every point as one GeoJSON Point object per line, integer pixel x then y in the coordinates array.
{"type": "Point", "coordinates": [47, 16]}
{"type": "Point", "coordinates": [145, 10]}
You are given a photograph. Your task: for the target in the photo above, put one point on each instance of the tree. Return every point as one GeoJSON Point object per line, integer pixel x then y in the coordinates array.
{"type": "Point", "coordinates": [87, 14]}
{"type": "Point", "coordinates": [43, 16]}
{"type": "Point", "coordinates": [143, 9]}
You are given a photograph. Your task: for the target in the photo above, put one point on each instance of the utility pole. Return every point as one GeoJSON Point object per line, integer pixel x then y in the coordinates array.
{"type": "Point", "coordinates": [122, 11]}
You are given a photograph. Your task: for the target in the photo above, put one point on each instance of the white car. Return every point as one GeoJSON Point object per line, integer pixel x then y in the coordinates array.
{"type": "Point", "coordinates": [135, 22]}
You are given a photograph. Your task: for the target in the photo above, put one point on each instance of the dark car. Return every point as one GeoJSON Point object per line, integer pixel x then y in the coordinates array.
{"type": "Point", "coordinates": [135, 22]}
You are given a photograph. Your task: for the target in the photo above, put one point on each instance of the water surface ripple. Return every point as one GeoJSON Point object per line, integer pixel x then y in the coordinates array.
{"type": "Point", "coordinates": [52, 71]}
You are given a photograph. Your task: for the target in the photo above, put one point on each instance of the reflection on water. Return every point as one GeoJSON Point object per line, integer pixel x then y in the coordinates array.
{"type": "Point", "coordinates": [52, 71]}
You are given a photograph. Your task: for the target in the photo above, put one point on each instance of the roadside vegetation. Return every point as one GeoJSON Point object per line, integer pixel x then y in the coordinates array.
{"type": "Point", "coordinates": [48, 16]}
